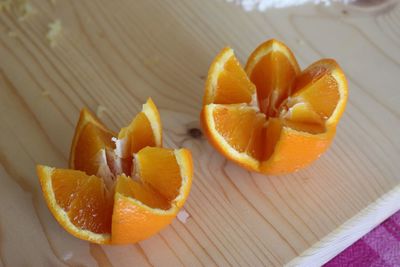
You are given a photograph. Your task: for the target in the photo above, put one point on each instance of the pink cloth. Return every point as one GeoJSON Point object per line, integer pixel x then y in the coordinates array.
{"type": "Point", "coordinates": [380, 247]}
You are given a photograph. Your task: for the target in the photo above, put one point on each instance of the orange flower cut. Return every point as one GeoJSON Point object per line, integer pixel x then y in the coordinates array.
{"type": "Point", "coordinates": [270, 117]}
{"type": "Point", "coordinates": [121, 188]}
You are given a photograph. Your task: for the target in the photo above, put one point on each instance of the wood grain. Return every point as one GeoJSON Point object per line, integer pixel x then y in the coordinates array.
{"type": "Point", "coordinates": [112, 55]}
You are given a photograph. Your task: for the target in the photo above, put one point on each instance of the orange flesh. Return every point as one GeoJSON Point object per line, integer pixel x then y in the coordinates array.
{"type": "Point", "coordinates": [321, 94]}
{"type": "Point", "coordinates": [142, 192]}
{"type": "Point", "coordinates": [84, 198]}
{"type": "Point", "coordinates": [309, 76]}
{"type": "Point", "coordinates": [302, 112]}
{"type": "Point", "coordinates": [66, 184]}
{"type": "Point", "coordinates": [139, 132]}
{"type": "Point", "coordinates": [155, 174]}
{"type": "Point", "coordinates": [234, 124]}
{"type": "Point", "coordinates": [91, 140]}
{"type": "Point", "coordinates": [256, 142]}
{"type": "Point", "coordinates": [313, 128]}
{"type": "Point", "coordinates": [233, 86]}
{"type": "Point", "coordinates": [273, 77]}
{"type": "Point", "coordinates": [272, 135]}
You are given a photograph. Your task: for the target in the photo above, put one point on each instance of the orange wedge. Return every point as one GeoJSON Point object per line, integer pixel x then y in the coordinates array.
{"type": "Point", "coordinates": [138, 214]}
{"type": "Point", "coordinates": [121, 188]}
{"type": "Point", "coordinates": [227, 82]}
{"type": "Point", "coordinates": [282, 125]}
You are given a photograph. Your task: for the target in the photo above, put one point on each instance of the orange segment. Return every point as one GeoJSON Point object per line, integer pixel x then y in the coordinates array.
{"type": "Point", "coordinates": [294, 150]}
{"type": "Point", "coordinates": [227, 82]}
{"type": "Point", "coordinates": [273, 69]}
{"type": "Point", "coordinates": [322, 86]}
{"type": "Point", "coordinates": [271, 137]}
{"type": "Point", "coordinates": [313, 128]}
{"type": "Point", "coordinates": [110, 207]}
{"type": "Point", "coordinates": [296, 116]}
{"type": "Point", "coordinates": [66, 185]}
{"type": "Point", "coordinates": [138, 139]}
{"type": "Point", "coordinates": [91, 208]}
{"type": "Point", "coordinates": [235, 137]}
{"type": "Point", "coordinates": [154, 174]}
{"type": "Point", "coordinates": [323, 96]}
{"type": "Point", "coordinates": [144, 193]}
{"type": "Point", "coordinates": [232, 123]}
{"type": "Point", "coordinates": [86, 216]}
{"type": "Point", "coordinates": [142, 208]}
{"type": "Point", "coordinates": [132, 221]}
{"type": "Point", "coordinates": [302, 112]}
{"type": "Point", "coordinates": [255, 147]}
{"type": "Point", "coordinates": [90, 137]}
{"type": "Point", "coordinates": [144, 130]}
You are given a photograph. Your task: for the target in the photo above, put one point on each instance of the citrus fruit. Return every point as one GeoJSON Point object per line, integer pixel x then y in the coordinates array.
{"type": "Point", "coordinates": [120, 188]}
{"type": "Point", "coordinates": [270, 117]}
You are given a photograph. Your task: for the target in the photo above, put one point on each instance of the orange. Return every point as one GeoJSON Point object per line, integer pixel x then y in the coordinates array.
{"type": "Point", "coordinates": [270, 117]}
{"type": "Point", "coordinates": [121, 188]}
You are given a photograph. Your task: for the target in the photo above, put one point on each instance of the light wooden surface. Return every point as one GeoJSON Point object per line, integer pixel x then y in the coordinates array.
{"type": "Point", "coordinates": [114, 54]}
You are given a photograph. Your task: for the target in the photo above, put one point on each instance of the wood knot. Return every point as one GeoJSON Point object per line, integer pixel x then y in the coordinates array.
{"type": "Point", "coordinates": [195, 133]}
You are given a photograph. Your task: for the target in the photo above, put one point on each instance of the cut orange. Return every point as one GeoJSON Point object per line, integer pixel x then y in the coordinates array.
{"type": "Point", "coordinates": [227, 82]}
{"type": "Point", "coordinates": [284, 124]}
{"type": "Point", "coordinates": [121, 188]}
{"type": "Point", "coordinates": [273, 68]}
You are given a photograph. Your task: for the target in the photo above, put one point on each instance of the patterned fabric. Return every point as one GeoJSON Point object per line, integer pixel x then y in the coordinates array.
{"type": "Point", "coordinates": [380, 247]}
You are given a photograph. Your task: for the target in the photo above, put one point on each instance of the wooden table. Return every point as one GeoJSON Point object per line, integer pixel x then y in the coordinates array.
{"type": "Point", "coordinates": [112, 55]}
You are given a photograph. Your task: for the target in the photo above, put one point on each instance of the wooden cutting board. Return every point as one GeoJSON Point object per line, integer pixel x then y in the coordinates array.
{"type": "Point", "coordinates": [112, 55]}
